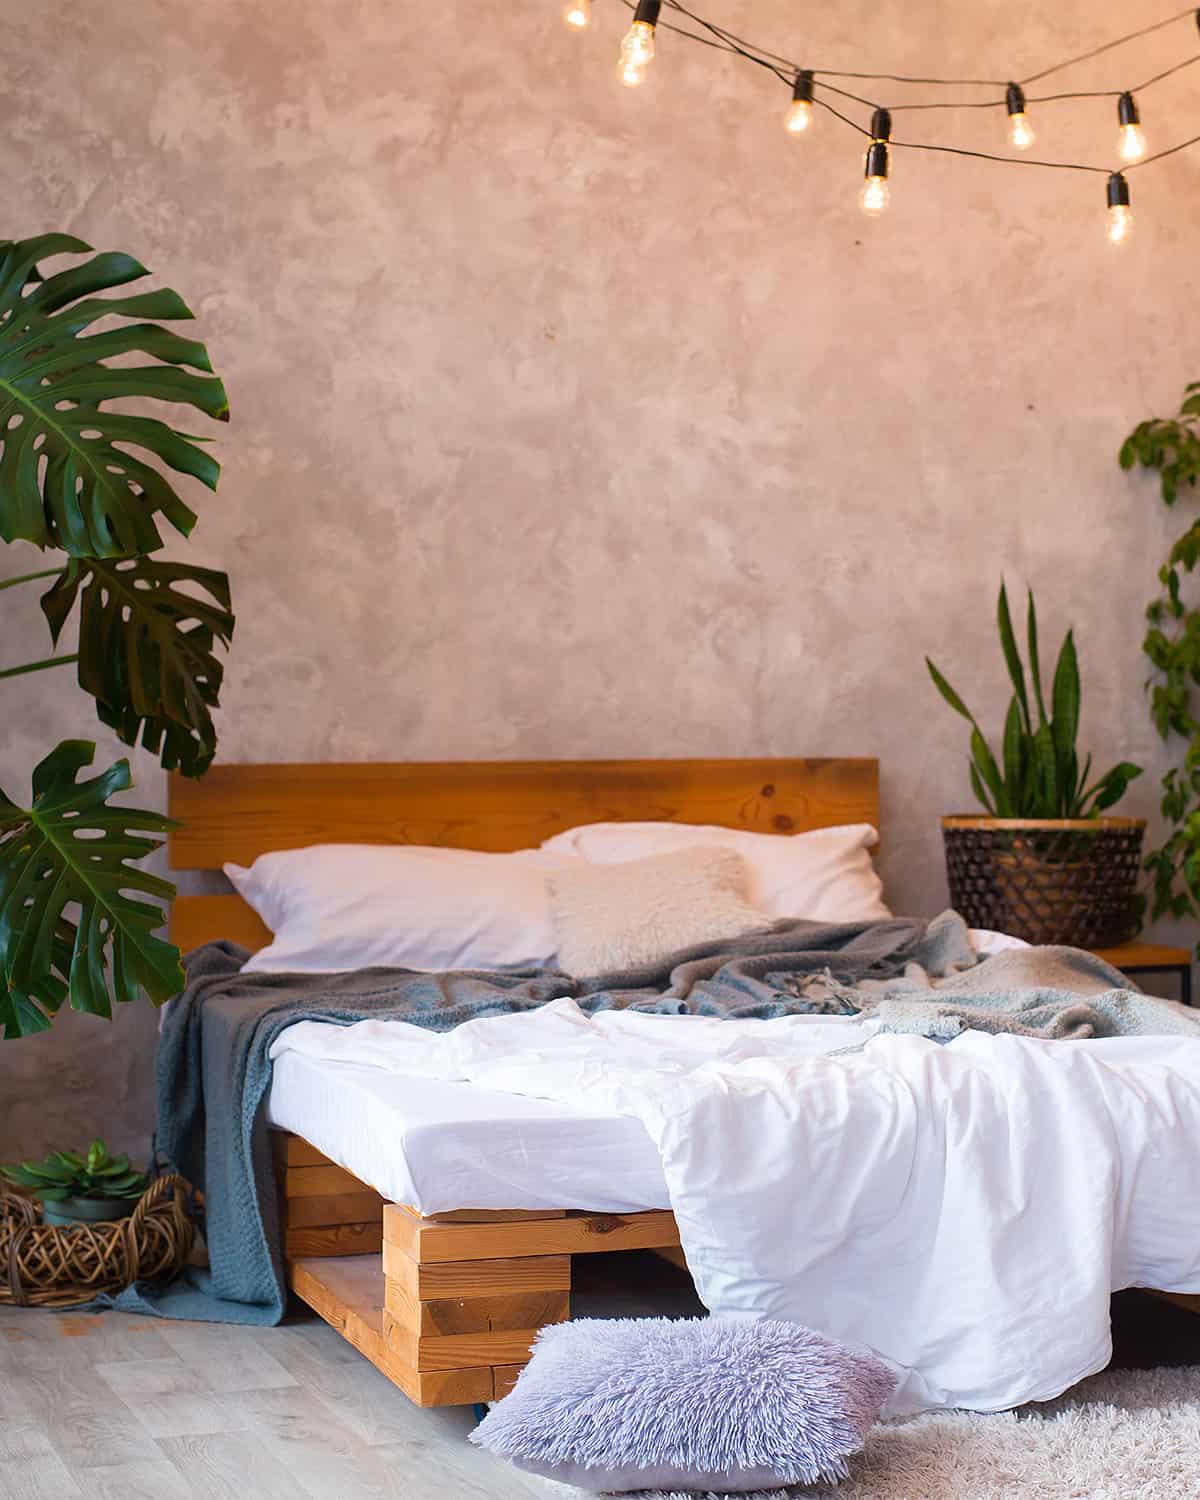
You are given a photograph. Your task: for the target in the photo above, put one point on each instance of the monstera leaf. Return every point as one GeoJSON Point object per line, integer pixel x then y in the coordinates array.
{"type": "Point", "coordinates": [146, 651]}
{"type": "Point", "coordinates": [72, 926]}
{"type": "Point", "coordinates": [68, 477]}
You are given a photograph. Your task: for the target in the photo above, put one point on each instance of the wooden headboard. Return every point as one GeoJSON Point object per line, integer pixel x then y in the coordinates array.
{"type": "Point", "coordinates": [239, 812]}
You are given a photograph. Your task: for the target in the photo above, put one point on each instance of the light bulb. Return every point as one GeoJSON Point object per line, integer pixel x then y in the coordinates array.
{"type": "Point", "coordinates": [1020, 132]}
{"type": "Point", "coordinates": [799, 115]}
{"type": "Point", "coordinates": [1132, 143]}
{"type": "Point", "coordinates": [1120, 223]}
{"type": "Point", "coordinates": [637, 46]}
{"type": "Point", "coordinates": [1120, 215]}
{"type": "Point", "coordinates": [1131, 139]}
{"type": "Point", "coordinates": [876, 195]}
{"type": "Point", "coordinates": [578, 13]}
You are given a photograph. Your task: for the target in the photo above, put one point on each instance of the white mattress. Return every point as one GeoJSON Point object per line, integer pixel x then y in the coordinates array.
{"type": "Point", "coordinates": [440, 1146]}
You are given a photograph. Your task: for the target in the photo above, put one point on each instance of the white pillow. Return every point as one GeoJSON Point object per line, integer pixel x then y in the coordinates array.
{"type": "Point", "coordinates": [826, 875]}
{"type": "Point", "coordinates": [613, 918]}
{"type": "Point", "coordinates": [354, 906]}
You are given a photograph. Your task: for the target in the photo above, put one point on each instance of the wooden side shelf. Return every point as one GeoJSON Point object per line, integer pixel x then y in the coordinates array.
{"type": "Point", "coordinates": [450, 1310]}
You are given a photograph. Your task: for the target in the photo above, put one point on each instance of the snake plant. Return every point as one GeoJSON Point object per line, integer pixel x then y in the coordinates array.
{"type": "Point", "coordinates": [85, 475]}
{"type": "Point", "coordinates": [1037, 774]}
{"type": "Point", "coordinates": [68, 1174]}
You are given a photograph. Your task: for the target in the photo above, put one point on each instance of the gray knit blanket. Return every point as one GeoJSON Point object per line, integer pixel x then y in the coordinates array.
{"type": "Point", "coordinates": [1056, 994]}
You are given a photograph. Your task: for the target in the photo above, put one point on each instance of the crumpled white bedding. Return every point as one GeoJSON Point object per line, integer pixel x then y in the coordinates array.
{"type": "Point", "coordinates": [963, 1210]}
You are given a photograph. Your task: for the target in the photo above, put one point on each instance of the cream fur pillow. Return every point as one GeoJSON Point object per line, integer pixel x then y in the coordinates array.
{"type": "Point", "coordinates": [610, 918]}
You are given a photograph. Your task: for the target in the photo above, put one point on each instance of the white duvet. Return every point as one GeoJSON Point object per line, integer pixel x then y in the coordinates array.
{"type": "Point", "coordinates": [963, 1210]}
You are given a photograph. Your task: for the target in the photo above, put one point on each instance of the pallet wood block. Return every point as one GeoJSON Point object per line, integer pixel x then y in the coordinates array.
{"type": "Point", "coordinates": [333, 1239]}
{"type": "Point", "coordinates": [494, 1314]}
{"type": "Point", "coordinates": [320, 1182]}
{"type": "Point", "coordinates": [504, 1378]}
{"type": "Point", "coordinates": [334, 1208]}
{"type": "Point", "coordinates": [348, 1293]}
{"type": "Point", "coordinates": [476, 1278]}
{"type": "Point", "coordinates": [427, 1241]}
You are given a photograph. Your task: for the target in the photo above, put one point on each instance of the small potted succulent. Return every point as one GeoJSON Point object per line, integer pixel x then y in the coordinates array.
{"type": "Point", "coordinates": [1043, 864]}
{"type": "Point", "coordinates": [72, 1188]}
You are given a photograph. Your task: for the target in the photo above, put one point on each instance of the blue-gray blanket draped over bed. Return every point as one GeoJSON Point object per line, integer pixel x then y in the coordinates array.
{"type": "Point", "coordinates": [213, 1068]}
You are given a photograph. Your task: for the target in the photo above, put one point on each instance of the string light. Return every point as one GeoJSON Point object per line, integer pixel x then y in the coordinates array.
{"type": "Point", "coordinates": [876, 192]}
{"type": "Point", "coordinates": [1120, 215]}
{"type": "Point", "coordinates": [1020, 131]}
{"type": "Point", "coordinates": [1131, 138]}
{"type": "Point", "coordinates": [799, 116]}
{"type": "Point", "coordinates": [637, 47]}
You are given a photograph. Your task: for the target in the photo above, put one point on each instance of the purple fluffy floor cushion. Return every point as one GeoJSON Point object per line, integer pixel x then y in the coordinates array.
{"type": "Point", "coordinates": [691, 1404]}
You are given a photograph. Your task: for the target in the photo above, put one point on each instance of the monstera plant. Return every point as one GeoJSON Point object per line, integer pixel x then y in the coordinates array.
{"type": "Point", "coordinates": [94, 481]}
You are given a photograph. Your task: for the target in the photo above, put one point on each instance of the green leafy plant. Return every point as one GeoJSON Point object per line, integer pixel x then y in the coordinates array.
{"type": "Point", "coordinates": [1038, 774]}
{"type": "Point", "coordinates": [1171, 448]}
{"type": "Point", "coordinates": [68, 1174]}
{"type": "Point", "coordinates": [97, 482]}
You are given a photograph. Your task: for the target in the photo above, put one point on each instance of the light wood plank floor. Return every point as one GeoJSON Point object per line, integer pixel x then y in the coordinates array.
{"type": "Point", "coordinates": [114, 1407]}
{"type": "Point", "coordinates": [119, 1408]}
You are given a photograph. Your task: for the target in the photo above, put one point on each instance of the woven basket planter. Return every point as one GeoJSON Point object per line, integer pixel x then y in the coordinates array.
{"type": "Point", "coordinates": [1047, 880]}
{"type": "Point", "coordinates": [45, 1265]}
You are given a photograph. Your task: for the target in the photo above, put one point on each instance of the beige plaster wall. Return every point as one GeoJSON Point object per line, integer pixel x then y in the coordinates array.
{"type": "Point", "coordinates": [570, 421]}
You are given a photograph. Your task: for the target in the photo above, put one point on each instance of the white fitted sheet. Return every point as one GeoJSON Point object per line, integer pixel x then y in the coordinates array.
{"type": "Point", "coordinates": [441, 1145]}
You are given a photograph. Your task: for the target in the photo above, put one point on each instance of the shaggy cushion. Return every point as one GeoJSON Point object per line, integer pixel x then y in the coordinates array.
{"type": "Point", "coordinates": [698, 1404]}
{"type": "Point", "coordinates": [612, 918]}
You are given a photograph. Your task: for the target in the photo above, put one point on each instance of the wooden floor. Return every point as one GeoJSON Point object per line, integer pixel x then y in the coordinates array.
{"type": "Point", "coordinates": [114, 1407]}
{"type": "Point", "coordinates": [119, 1408]}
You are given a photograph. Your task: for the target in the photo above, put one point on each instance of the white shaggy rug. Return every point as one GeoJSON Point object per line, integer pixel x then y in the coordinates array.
{"type": "Point", "coordinates": [1123, 1435]}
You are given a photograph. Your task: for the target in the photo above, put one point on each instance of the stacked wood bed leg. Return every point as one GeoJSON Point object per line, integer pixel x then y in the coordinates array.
{"type": "Point", "coordinates": [451, 1308]}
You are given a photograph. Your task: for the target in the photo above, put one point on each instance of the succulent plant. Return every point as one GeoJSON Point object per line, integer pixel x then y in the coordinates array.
{"type": "Point", "coordinates": [68, 1174]}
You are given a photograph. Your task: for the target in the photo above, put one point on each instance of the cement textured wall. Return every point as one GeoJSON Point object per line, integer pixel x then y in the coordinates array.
{"type": "Point", "coordinates": [574, 421]}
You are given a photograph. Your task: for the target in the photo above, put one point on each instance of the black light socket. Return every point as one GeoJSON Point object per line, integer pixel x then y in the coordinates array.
{"type": "Point", "coordinates": [1014, 99]}
{"type": "Point", "coordinates": [1127, 110]}
{"type": "Point", "coordinates": [648, 11]}
{"type": "Point", "coordinates": [1118, 191]}
{"type": "Point", "coordinates": [877, 160]}
{"type": "Point", "coordinates": [881, 125]}
{"type": "Point", "coordinates": [803, 91]}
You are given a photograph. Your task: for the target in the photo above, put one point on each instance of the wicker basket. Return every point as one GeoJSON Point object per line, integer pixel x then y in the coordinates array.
{"type": "Point", "coordinates": [1051, 880]}
{"type": "Point", "coordinates": [44, 1265]}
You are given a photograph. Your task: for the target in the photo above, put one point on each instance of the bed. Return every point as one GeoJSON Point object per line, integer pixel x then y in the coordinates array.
{"type": "Point", "coordinates": [440, 1260]}
{"type": "Point", "coordinates": [444, 1289]}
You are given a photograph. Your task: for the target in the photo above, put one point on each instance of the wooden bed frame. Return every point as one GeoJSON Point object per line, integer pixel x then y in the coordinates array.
{"type": "Point", "coordinates": [448, 1305]}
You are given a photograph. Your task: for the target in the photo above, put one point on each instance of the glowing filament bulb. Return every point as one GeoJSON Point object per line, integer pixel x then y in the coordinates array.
{"type": "Point", "coordinates": [800, 112]}
{"type": "Point", "coordinates": [578, 13]}
{"type": "Point", "coordinates": [875, 197]}
{"type": "Point", "coordinates": [1120, 215]}
{"type": "Point", "coordinates": [1020, 132]}
{"type": "Point", "coordinates": [637, 47]}
{"type": "Point", "coordinates": [1131, 138]}
{"type": "Point", "coordinates": [876, 191]}
{"type": "Point", "coordinates": [799, 116]}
